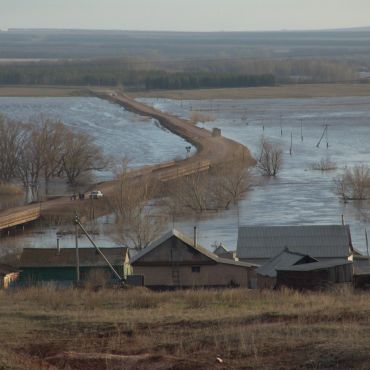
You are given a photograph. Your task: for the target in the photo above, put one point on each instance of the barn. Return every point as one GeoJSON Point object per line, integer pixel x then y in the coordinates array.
{"type": "Point", "coordinates": [316, 275]}
{"type": "Point", "coordinates": [59, 265]}
{"type": "Point", "coordinates": [258, 244]}
{"type": "Point", "coordinates": [177, 261]}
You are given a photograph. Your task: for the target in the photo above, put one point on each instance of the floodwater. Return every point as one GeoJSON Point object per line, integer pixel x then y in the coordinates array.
{"type": "Point", "coordinates": [298, 195]}
{"type": "Point", "coordinates": [118, 132]}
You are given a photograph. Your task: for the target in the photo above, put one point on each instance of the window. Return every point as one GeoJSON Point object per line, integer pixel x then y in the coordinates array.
{"type": "Point", "coordinates": [195, 269]}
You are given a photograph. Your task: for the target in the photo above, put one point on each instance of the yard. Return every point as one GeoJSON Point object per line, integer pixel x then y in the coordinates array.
{"type": "Point", "coordinates": [44, 328]}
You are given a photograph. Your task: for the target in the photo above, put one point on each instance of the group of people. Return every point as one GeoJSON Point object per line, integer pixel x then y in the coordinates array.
{"type": "Point", "coordinates": [81, 196]}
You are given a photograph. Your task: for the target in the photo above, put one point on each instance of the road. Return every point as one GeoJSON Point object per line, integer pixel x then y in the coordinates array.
{"type": "Point", "coordinates": [211, 150]}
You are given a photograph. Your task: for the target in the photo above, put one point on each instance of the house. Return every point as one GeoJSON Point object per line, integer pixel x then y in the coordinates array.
{"type": "Point", "coordinates": [176, 261]}
{"type": "Point", "coordinates": [222, 252]}
{"type": "Point", "coordinates": [8, 276]}
{"type": "Point", "coordinates": [315, 275]}
{"type": "Point", "coordinates": [59, 265]}
{"type": "Point", "coordinates": [267, 273]}
{"type": "Point", "coordinates": [258, 244]}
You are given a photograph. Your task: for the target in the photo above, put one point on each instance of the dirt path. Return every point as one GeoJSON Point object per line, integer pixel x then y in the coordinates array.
{"type": "Point", "coordinates": [211, 150]}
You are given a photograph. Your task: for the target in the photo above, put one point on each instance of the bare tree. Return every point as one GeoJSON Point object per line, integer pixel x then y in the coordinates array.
{"type": "Point", "coordinates": [80, 156]}
{"type": "Point", "coordinates": [11, 136]}
{"type": "Point", "coordinates": [228, 183]}
{"type": "Point", "coordinates": [138, 221]}
{"type": "Point", "coordinates": [354, 183]}
{"type": "Point", "coordinates": [270, 158]}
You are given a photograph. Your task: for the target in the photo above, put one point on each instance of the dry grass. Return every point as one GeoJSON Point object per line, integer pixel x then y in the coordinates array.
{"type": "Point", "coordinates": [41, 91]}
{"type": "Point", "coordinates": [284, 91]}
{"type": "Point", "coordinates": [185, 329]}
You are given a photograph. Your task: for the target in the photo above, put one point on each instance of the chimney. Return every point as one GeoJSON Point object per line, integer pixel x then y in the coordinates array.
{"type": "Point", "coordinates": [195, 237]}
{"type": "Point", "coordinates": [58, 246]}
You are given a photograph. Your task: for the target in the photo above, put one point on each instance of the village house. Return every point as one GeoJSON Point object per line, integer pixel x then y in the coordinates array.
{"type": "Point", "coordinates": [222, 252]}
{"type": "Point", "coordinates": [258, 244]}
{"type": "Point", "coordinates": [267, 273]}
{"type": "Point", "coordinates": [176, 261]}
{"type": "Point", "coordinates": [8, 276]}
{"type": "Point", "coordinates": [316, 275]}
{"type": "Point", "coordinates": [59, 265]}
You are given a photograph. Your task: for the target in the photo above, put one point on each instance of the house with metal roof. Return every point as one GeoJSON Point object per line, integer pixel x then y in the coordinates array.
{"type": "Point", "coordinates": [267, 273]}
{"type": "Point", "coordinates": [316, 275]}
{"type": "Point", "coordinates": [59, 265]}
{"type": "Point", "coordinates": [177, 261]}
{"type": "Point", "coordinates": [258, 244]}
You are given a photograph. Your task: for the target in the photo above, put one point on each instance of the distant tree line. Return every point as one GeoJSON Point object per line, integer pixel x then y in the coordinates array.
{"type": "Point", "coordinates": [43, 150]}
{"type": "Point", "coordinates": [188, 74]}
{"type": "Point", "coordinates": [207, 80]}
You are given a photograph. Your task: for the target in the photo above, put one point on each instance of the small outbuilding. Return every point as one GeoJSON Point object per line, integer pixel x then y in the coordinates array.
{"type": "Point", "coordinates": [267, 273]}
{"type": "Point", "coordinates": [8, 276]}
{"type": "Point", "coordinates": [222, 252]}
{"type": "Point", "coordinates": [176, 261]}
{"type": "Point", "coordinates": [258, 244]}
{"type": "Point", "coordinates": [315, 275]}
{"type": "Point", "coordinates": [59, 266]}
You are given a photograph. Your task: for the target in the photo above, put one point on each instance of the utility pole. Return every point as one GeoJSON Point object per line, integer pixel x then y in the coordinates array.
{"type": "Point", "coordinates": [291, 143]}
{"type": "Point", "coordinates": [302, 130]}
{"type": "Point", "coordinates": [77, 254]}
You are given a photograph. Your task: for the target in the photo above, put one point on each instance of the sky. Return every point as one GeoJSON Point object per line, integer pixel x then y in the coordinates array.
{"type": "Point", "coordinates": [185, 15]}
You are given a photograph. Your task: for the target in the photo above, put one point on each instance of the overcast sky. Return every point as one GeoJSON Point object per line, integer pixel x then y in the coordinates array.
{"type": "Point", "coordinates": [185, 15]}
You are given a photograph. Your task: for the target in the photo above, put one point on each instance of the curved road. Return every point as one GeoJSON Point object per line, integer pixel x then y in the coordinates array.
{"type": "Point", "coordinates": [211, 150]}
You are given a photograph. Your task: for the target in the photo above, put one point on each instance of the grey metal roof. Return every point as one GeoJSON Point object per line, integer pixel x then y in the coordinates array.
{"type": "Point", "coordinates": [190, 242]}
{"type": "Point", "coordinates": [281, 261]}
{"type": "Point", "coordinates": [220, 250]}
{"type": "Point", "coordinates": [325, 241]}
{"type": "Point", "coordinates": [89, 257]}
{"type": "Point", "coordinates": [316, 265]}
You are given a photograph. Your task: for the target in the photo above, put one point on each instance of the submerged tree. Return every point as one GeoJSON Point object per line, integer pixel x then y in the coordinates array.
{"type": "Point", "coordinates": [270, 158]}
{"type": "Point", "coordinates": [354, 183]}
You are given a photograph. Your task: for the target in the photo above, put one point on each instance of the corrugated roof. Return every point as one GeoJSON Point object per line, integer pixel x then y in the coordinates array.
{"type": "Point", "coordinates": [190, 242]}
{"type": "Point", "coordinates": [281, 261]}
{"type": "Point", "coordinates": [325, 241]}
{"type": "Point", "coordinates": [316, 265]}
{"type": "Point", "coordinates": [89, 257]}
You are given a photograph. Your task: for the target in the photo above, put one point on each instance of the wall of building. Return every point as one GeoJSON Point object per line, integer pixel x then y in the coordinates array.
{"type": "Point", "coordinates": [316, 279]}
{"type": "Point", "coordinates": [183, 276]}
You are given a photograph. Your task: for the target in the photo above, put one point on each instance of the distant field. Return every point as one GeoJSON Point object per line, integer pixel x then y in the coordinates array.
{"type": "Point", "coordinates": [204, 329]}
{"type": "Point", "coordinates": [286, 91]}
{"type": "Point", "coordinates": [40, 91]}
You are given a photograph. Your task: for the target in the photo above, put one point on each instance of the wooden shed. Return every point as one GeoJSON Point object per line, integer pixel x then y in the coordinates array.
{"type": "Point", "coordinates": [267, 273]}
{"type": "Point", "coordinates": [8, 276]}
{"type": "Point", "coordinates": [176, 261]}
{"type": "Point", "coordinates": [59, 266]}
{"type": "Point", "coordinates": [316, 275]}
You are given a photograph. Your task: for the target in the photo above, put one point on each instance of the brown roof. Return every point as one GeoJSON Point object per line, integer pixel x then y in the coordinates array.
{"type": "Point", "coordinates": [7, 269]}
{"type": "Point", "coordinates": [89, 257]}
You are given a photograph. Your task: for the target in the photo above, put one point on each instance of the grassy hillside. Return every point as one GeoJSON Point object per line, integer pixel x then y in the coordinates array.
{"type": "Point", "coordinates": [76, 329]}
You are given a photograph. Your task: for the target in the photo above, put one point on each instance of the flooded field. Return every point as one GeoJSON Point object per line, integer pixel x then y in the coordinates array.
{"type": "Point", "coordinates": [299, 195]}
{"type": "Point", "coordinates": [118, 132]}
